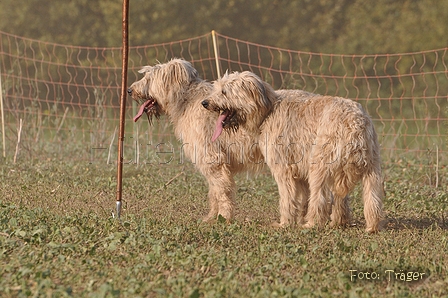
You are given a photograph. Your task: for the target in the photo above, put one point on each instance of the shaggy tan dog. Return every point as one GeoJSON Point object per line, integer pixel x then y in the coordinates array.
{"type": "Point", "coordinates": [316, 146]}
{"type": "Point", "coordinates": [175, 89]}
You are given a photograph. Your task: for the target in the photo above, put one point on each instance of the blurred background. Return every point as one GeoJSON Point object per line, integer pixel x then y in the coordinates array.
{"type": "Point", "coordinates": [328, 26]}
{"type": "Point", "coordinates": [60, 67]}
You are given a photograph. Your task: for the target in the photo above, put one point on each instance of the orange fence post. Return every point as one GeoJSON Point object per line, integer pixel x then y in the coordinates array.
{"type": "Point", "coordinates": [124, 83]}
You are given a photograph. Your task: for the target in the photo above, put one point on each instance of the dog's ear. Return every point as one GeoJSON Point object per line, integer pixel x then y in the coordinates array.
{"type": "Point", "coordinates": [259, 89]}
{"type": "Point", "coordinates": [270, 95]}
{"type": "Point", "coordinates": [180, 72]}
{"type": "Point", "coordinates": [145, 69]}
{"type": "Point", "coordinates": [252, 83]}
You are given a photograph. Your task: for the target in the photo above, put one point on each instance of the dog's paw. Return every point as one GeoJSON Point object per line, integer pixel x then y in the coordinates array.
{"type": "Point", "coordinates": [222, 219]}
{"type": "Point", "coordinates": [208, 219]}
{"type": "Point", "coordinates": [276, 225]}
{"type": "Point", "coordinates": [279, 225]}
{"type": "Point", "coordinates": [372, 230]}
{"type": "Point", "coordinates": [308, 225]}
{"type": "Point", "coordinates": [376, 227]}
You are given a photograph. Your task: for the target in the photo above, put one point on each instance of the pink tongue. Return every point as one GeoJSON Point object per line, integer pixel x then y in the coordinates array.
{"type": "Point", "coordinates": [142, 109]}
{"type": "Point", "coordinates": [218, 127]}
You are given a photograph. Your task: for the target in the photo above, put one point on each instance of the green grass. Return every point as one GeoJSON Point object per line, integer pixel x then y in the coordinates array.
{"type": "Point", "coordinates": [58, 237]}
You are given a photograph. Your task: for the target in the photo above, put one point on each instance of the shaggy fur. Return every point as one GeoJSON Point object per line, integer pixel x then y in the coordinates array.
{"type": "Point", "coordinates": [175, 89]}
{"type": "Point", "coordinates": [317, 147]}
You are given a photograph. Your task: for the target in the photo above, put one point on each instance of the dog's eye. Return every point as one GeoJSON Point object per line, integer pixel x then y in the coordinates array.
{"type": "Point", "coordinates": [223, 92]}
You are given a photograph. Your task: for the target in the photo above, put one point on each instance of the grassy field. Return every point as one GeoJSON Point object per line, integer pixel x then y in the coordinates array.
{"type": "Point", "coordinates": [58, 238]}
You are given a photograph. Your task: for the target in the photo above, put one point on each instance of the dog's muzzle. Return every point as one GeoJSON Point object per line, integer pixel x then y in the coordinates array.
{"type": "Point", "coordinates": [205, 104]}
{"type": "Point", "coordinates": [129, 91]}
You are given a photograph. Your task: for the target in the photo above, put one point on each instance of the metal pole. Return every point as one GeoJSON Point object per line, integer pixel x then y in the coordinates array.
{"type": "Point", "coordinates": [124, 83]}
{"type": "Point", "coordinates": [215, 49]}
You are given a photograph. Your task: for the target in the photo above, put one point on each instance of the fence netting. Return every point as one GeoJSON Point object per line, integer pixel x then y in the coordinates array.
{"type": "Point", "coordinates": [67, 97]}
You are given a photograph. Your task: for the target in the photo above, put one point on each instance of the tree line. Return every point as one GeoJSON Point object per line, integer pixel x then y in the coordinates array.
{"type": "Point", "coordinates": [329, 26]}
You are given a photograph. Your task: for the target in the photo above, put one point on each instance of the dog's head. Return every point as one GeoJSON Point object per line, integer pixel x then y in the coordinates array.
{"type": "Point", "coordinates": [161, 85]}
{"type": "Point", "coordinates": [240, 100]}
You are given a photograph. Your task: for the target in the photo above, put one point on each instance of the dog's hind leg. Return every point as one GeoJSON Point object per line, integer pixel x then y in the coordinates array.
{"type": "Point", "coordinates": [319, 204]}
{"type": "Point", "coordinates": [303, 195]}
{"type": "Point", "coordinates": [341, 213]}
{"type": "Point", "coordinates": [343, 180]}
{"type": "Point", "coordinates": [373, 194]}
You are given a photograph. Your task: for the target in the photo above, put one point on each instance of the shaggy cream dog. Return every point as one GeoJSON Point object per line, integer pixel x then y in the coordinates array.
{"type": "Point", "coordinates": [317, 147]}
{"type": "Point", "coordinates": [176, 90]}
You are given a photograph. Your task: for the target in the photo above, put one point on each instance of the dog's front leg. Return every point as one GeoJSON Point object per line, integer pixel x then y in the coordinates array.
{"type": "Point", "coordinates": [222, 190]}
{"type": "Point", "coordinates": [288, 204]}
{"type": "Point", "coordinates": [213, 205]}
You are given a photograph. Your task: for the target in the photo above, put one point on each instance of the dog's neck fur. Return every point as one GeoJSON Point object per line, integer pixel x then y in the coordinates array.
{"type": "Point", "coordinates": [185, 97]}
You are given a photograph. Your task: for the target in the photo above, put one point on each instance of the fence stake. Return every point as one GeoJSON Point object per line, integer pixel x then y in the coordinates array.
{"type": "Point", "coordinates": [19, 133]}
{"type": "Point", "coordinates": [3, 118]}
{"type": "Point", "coordinates": [60, 124]}
{"type": "Point", "coordinates": [215, 49]}
{"type": "Point", "coordinates": [124, 83]}
{"type": "Point", "coordinates": [111, 144]}
{"type": "Point", "coordinates": [437, 166]}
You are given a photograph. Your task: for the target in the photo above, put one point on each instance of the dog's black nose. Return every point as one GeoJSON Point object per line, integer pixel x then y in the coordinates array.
{"type": "Point", "coordinates": [205, 104]}
{"type": "Point", "coordinates": [129, 91]}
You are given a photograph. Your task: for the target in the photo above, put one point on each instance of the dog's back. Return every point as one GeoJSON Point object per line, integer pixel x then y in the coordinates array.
{"type": "Point", "coordinates": [294, 94]}
{"type": "Point", "coordinates": [312, 124]}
